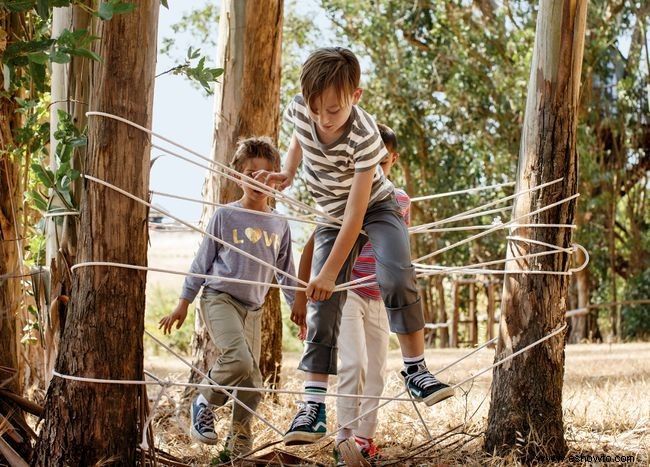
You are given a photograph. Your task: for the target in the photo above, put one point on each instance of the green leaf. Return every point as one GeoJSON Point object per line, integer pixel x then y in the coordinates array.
{"type": "Point", "coordinates": [58, 56]}
{"type": "Point", "coordinates": [39, 201]}
{"type": "Point", "coordinates": [164, 3]}
{"type": "Point", "coordinates": [105, 11]}
{"type": "Point", "coordinates": [38, 72]}
{"type": "Point", "coordinates": [46, 176]}
{"type": "Point", "coordinates": [17, 5]}
{"type": "Point", "coordinates": [121, 8]}
{"type": "Point", "coordinates": [39, 57]}
{"type": "Point", "coordinates": [43, 9]}
{"type": "Point", "coordinates": [86, 53]}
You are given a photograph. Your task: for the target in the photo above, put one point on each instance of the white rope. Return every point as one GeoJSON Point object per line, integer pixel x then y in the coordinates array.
{"type": "Point", "coordinates": [181, 273]}
{"type": "Point", "coordinates": [251, 181]}
{"type": "Point", "coordinates": [510, 357]}
{"type": "Point", "coordinates": [482, 234]}
{"type": "Point", "coordinates": [492, 203]}
{"type": "Point", "coordinates": [448, 220]}
{"type": "Point", "coordinates": [473, 237]}
{"type": "Point", "coordinates": [237, 208]}
{"type": "Point", "coordinates": [217, 239]}
{"type": "Point", "coordinates": [62, 213]}
{"type": "Point", "coordinates": [238, 177]}
{"type": "Point", "coordinates": [489, 226]}
{"type": "Point", "coordinates": [460, 192]}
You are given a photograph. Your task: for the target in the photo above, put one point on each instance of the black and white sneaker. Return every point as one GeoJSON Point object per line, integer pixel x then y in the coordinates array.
{"type": "Point", "coordinates": [308, 426]}
{"type": "Point", "coordinates": [424, 387]}
{"type": "Point", "coordinates": [202, 423]}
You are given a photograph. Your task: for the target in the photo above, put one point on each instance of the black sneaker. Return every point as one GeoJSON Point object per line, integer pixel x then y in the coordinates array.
{"type": "Point", "coordinates": [202, 423]}
{"type": "Point", "coordinates": [308, 426]}
{"type": "Point", "coordinates": [425, 387]}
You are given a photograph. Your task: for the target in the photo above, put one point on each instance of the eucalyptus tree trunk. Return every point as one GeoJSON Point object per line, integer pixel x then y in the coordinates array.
{"type": "Point", "coordinates": [246, 104]}
{"type": "Point", "coordinates": [70, 91]}
{"type": "Point", "coordinates": [527, 391]}
{"type": "Point", "coordinates": [90, 423]}
{"type": "Point", "coordinates": [11, 192]}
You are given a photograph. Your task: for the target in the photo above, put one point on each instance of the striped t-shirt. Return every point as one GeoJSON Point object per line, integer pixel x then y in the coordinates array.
{"type": "Point", "coordinates": [365, 265]}
{"type": "Point", "coordinates": [329, 168]}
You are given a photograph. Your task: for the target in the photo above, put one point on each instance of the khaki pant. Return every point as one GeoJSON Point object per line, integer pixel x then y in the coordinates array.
{"type": "Point", "coordinates": [236, 332]}
{"type": "Point", "coordinates": [363, 350]}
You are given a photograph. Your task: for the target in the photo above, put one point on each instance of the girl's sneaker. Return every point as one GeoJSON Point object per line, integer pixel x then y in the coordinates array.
{"type": "Point", "coordinates": [347, 454]}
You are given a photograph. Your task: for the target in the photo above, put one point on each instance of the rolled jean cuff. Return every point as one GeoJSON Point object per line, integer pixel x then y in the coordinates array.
{"type": "Point", "coordinates": [406, 319]}
{"type": "Point", "coordinates": [319, 358]}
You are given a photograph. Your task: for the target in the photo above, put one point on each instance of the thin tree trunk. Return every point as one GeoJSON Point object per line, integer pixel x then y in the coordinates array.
{"type": "Point", "coordinates": [527, 391]}
{"type": "Point", "coordinates": [246, 104]}
{"type": "Point", "coordinates": [11, 267]}
{"type": "Point", "coordinates": [70, 92]}
{"type": "Point", "coordinates": [89, 423]}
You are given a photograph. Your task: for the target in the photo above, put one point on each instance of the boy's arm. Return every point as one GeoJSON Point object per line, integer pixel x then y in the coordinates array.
{"type": "Point", "coordinates": [284, 178]}
{"type": "Point", "coordinates": [322, 286]}
{"type": "Point", "coordinates": [299, 309]}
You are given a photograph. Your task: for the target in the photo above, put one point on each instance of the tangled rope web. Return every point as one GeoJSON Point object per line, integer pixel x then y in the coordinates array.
{"type": "Point", "coordinates": [301, 212]}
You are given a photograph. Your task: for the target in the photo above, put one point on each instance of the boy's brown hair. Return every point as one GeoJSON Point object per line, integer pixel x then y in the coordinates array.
{"type": "Point", "coordinates": [330, 66]}
{"type": "Point", "coordinates": [388, 136]}
{"type": "Point", "coordinates": [255, 147]}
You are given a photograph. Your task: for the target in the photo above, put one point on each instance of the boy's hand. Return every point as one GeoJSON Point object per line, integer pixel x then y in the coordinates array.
{"type": "Point", "coordinates": [179, 314]}
{"type": "Point", "coordinates": [320, 287]}
{"type": "Point", "coordinates": [281, 180]}
{"type": "Point", "coordinates": [299, 314]}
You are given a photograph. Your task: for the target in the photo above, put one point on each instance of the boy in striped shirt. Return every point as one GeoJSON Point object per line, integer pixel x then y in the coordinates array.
{"type": "Point", "coordinates": [364, 333]}
{"type": "Point", "coordinates": [342, 149]}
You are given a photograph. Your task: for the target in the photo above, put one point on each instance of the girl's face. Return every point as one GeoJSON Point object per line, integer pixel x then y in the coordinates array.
{"type": "Point", "coordinates": [254, 198]}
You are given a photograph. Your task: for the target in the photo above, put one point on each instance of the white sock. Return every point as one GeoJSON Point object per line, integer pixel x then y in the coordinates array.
{"type": "Point", "coordinates": [315, 391]}
{"type": "Point", "coordinates": [414, 361]}
{"type": "Point", "coordinates": [343, 434]}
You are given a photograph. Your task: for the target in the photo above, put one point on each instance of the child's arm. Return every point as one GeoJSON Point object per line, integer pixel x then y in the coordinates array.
{"type": "Point", "coordinates": [179, 314]}
{"type": "Point", "coordinates": [299, 309]}
{"type": "Point", "coordinates": [284, 178]}
{"type": "Point", "coordinates": [322, 286]}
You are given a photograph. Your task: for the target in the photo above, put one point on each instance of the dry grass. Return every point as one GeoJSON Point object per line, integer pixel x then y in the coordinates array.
{"type": "Point", "coordinates": [606, 411]}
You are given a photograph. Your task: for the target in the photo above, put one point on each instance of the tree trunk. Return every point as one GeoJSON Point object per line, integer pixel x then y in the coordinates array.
{"type": "Point", "coordinates": [11, 267]}
{"type": "Point", "coordinates": [527, 391]}
{"type": "Point", "coordinates": [10, 220]}
{"type": "Point", "coordinates": [89, 423]}
{"type": "Point", "coordinates": [70, 92]}
{"type": "Point", "coordinates": [246, 104]}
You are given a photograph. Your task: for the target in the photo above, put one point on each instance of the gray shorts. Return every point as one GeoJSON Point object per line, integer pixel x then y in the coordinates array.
{"type": "Point", "coordinates": [389, 237]}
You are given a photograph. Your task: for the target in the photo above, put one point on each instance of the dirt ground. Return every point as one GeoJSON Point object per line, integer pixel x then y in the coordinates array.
{"type": "Point", "coordinates": [606, 411]}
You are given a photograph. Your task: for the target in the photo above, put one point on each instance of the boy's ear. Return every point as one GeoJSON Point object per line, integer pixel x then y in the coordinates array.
{"type": "Point", "coordinates": [356, 95]}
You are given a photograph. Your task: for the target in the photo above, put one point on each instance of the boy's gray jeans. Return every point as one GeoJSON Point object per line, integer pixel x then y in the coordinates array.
{"type": "Point", "coordinates": [236, 332]}
{"type": "Point", "coordinates": [389, 237]}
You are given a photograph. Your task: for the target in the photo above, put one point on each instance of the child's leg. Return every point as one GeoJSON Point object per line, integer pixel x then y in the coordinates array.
{"type": "Point", "coordinates": [353, 360]}
{"type": "Point", "coordinates": [324, 317]}
{"type": "Point", "coordinates": [319, 357]}
{"type": "Point", "coordinates": [225, 320]}
{"type": "Point", "coordinates": [376, 337]}
{"type": "Point", "coordinates": [396, 277]}
{"type": "Point", "coordinates": [240, 440]}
